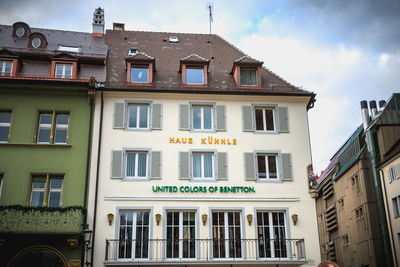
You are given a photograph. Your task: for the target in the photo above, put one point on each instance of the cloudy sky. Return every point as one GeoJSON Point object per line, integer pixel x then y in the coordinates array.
{"type": "Point", "coordinates": [343, 50]}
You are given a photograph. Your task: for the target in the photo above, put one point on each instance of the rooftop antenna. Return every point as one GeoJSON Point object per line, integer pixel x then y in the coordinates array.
{"type": "Point", "coordinates": [210, 9]}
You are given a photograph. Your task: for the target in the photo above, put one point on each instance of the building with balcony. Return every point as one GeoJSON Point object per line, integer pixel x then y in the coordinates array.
{"type": "Point", "coordinates": [47, 86]}
{"type": "Point", "coordinates": [200, 156]}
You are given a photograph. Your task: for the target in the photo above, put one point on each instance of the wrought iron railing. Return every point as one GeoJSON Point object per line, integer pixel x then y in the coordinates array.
{"type": "Point", "coordinates": [201, 250]}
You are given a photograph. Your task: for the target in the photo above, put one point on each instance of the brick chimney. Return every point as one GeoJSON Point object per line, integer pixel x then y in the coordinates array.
{"type": "Point", "coordinates": [98, 22]}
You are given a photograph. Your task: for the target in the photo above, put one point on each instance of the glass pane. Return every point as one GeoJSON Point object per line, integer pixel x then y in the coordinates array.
{"type": "Point", "coordinates": [130, 164]}
{"type": "Point", "coordinates": [208, 170]}
{"type": "Point", "coordinates": [139, 75]}
{"type": "Point", "coordinates": [142, 164]}
{"type": "Point", "coordinates": [262, 172]}
{"type": "Point", "coordinates": [38, 184]}
{"type": "Point", "coordinates": [4, 131]}
{"type": "Point", "coordinates": [45, 118]}
{"type": "Point", "coordinates": [248, 77]}
{"type": "Point", "coordinates": [61, 136]}
{"type": "Point", "coordinates": [143, 116]}
{"type": "Point", "coordinates": [62, 120]}
{"type": "Point", "coordinates": [68, 70]}
{"type": "Point", "coordinates": [56, 183]}
{"type": "Point", "coordinates": [5, 117]}
{"type": "Point", "coordinates": [272, 167]}
{"type": "Point", "coordinates": [269, 116]}
{"type": "Point", "coordinates": [59, 70]}
{"type": "Point", "coordinates": [207, 117]}
{"type": "Point", "coordinates": [194, 76]}
{"type": "Point", "coordinates": [196, 118]}
{"type": "Point", "coordinates": [37, 199]}
{"type": "Point", "coordinates": [259, 119]}
{"type": "Point", "coordinates": [8, 67]}
{"type": "Point", "coordinates": [132, 116]}
{"type": "Point", "coordinates": [44, 136]}
{"type": "Point", "coordinates": [196, 165]}
{"type": "Point", "coordinates": [54, 199]}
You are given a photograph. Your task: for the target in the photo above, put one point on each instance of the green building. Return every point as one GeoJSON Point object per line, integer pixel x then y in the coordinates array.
{"type": "Point", "coordinates": [47, 88]}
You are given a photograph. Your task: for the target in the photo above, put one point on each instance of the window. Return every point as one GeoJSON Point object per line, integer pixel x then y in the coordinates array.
{"type": "Point", "coordinates": [248, 77]}
{"type": "Point", "coordinates": [393, 172]}
{"type": "Point", "coordinates": [200, 165]}
{"type": "Point", "coordinates": [271, 234]}
{"type": "Point", "coordinates": [68, 48]}
{"type": "Point", "coordinates": [5, 125]}
{"type": "Point", "coordinates": [63, 71]}
{"type": "Point", "coordinates": [136, 164]}
{"type": "Point", "coordinates": [264, 119]}
{"type": "Point", "coordinates": [139, 74]}
{"type": "Point", "coordinates": [267, 167]}
{"type": "Point", "coordinates": [203, 165]}
{"type": "Point", "coordinates": [181, 232]}
{"type": "Point", "coordinates": [355, 183]}
{"type": "Point", "coordinates": [53, 128]}
{"type": "Point", "coordinates": [20, 31]}
{"type": "Point", "coordinates": [194, 75]}
{"type": "Point", "coordinates": [46, 190]}
{"type": "Point", "coordinates": [226, 234]}
{"type": "Point", "coordinates": [359, 212]}
{"type": "Point", "coordinates": [134, 234]}
{"type": "Point", "coordinates": [202, 117]}
{"type": "Point", "coordinates": [345, 240]}
{"type": "Point", "coordinates": [396, 206]}
{"type": "Point", "coordinates": [138, 116]}
{"type": "Point", "coordinates": [6, 68]}
{"type": "Point", "coordinates": [36, 42]}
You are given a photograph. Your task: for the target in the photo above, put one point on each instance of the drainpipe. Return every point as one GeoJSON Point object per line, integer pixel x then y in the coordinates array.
{"type": "Point", "coordinates": [388, 260]}
{"type": "Point", "coordinates": [97, 178]}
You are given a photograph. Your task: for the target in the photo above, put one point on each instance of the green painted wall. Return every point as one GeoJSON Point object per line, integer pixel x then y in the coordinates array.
{"type": "Point", "coordinates": [22, 156]}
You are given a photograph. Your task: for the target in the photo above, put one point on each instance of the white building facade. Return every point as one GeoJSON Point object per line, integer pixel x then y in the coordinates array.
{"type": "Point", "coordinates": [185, 178]}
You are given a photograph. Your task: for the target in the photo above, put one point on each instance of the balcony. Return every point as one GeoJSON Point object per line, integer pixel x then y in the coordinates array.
{"type": "Point", "coordinates": [41, 220]}
{"type": "Point", "coordinates": [201, 251]}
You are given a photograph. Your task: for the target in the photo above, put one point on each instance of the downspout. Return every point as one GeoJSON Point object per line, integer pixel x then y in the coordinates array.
{"type": "Point", "coordinates": [91, 93]}
{"type": "Point", "coordinates": [97, 177]}
{"type": "Point", "coordinates": [388, 260]}
{"type": "Point", "coordinates": [388, 211]}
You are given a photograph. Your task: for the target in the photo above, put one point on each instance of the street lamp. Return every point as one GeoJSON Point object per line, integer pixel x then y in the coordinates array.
{"type": "Point", "coordinates": [87, 237]}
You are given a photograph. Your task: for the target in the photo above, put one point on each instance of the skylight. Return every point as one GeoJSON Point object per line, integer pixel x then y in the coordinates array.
{"type": "Point", "coordinates": [68, 48]}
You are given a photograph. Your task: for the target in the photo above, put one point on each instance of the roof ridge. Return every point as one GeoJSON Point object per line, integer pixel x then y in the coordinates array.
{"type": "Point", "coordinates": [263, 67]}
{"type": "Point", "coordinates": [162, 32]}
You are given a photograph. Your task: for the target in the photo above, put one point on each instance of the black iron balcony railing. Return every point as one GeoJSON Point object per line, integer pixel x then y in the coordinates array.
{"type": "Point", "coordinates": [151, 251]}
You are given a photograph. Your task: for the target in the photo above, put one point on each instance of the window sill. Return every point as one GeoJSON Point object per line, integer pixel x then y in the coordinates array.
{"type": "Point", "coordinates": [249, 87]}
{"type": "Point", "coordinates": [141, 84]}
{"type": "Point", "coordinates": [195, 85]}
{"type": "Point", "coordinates": [35, 145]}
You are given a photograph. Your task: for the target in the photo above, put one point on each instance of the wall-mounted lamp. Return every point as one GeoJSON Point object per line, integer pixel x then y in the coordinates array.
{"type": "Point", "coordinates": [204, 218]}
{"type": "Point", "coordinates": [249, 218]}
{"type": "Point", "coordinates": [158, 218]}
{"type": "Point", "coordinates": [110, 218]}
{"type": "Point", "coordinates": [87, 236]}
{"type": "Point", "coordinates": [294, 218]}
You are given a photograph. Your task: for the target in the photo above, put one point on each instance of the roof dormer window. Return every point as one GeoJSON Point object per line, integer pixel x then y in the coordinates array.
{"type": "Point", "coordinates": [20, 31]}
{"type": "Point", "coordinates": [133, 51]}
{"type": "Point", "coordinates": [194, 75]}
{"type": "Point", "coordinates": [36, 42]}
{"type": "Point", "coordinates": [194, 70]}
{"type": "Point", "coordinates": [247, 72]}
{"type": "Point", "coordinates": [139, 73]}
{"type": "Point", "coordinates": [6, 67]}
{"type": "Point", "coordinates": [139, 68]}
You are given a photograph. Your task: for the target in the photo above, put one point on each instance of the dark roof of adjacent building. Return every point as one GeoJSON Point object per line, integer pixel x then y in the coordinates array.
{"type": "Point", "coordinates": [210, 48]}
{"type": "Point", "coordinates": [90, 47]}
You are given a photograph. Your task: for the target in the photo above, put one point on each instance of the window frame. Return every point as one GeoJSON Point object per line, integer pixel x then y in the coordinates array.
{"type": "Point", "coordinates": [134, 210]}
{"type": "Point", "coordinates": [181, 210]}
{"type": "Point", "coordinates": [194, 65]}
{"type": "Point", "coordinates": [396, 206]}
{"type": "Point", "coordinates": [74, 69]}
{"type": "Point", "coordinates": [46, 177]}
{"type": "Point", "coordinates": [248, 69]}
{"type": "Point", "coordinates": [278, 160]}
{"type": "Point", "coordinates": [53, 127]}
{"type": "Point", "coordinates": [137, 151]}
{"type": "Point", "coordinates": [285, 212]}
{"type": "Point", "coordinates": [226, 233]}
{"type": "Point", "coordinates": [275, 112]}
{"type": "Point", "coordinates": [141, 67]}
{"type": "Point", "coordinates": [7, 124]}
{"type": "Point", "coordinates": [246, 66]}
{"type": "Point", "coordinates": [128, 104]}
{"type": "Point", "coordinates": [63, 67]}
{"type": "Point", "coordinates": [214, 166]}
{"type": "Point", "coordinates": [150, 68]}
{"type": "Point", "coordinates": [202, 105]}
{"type": "Point", "coordinates": [3, 63]}
{"type": "Point", "coordinates": [267, 177]}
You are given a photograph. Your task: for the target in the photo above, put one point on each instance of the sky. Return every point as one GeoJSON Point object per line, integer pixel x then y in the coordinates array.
{"type": "Point", "coordinates": [345, 51]}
